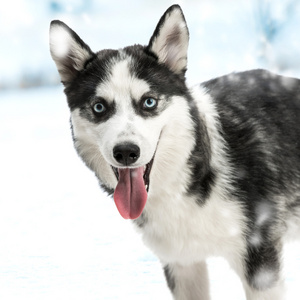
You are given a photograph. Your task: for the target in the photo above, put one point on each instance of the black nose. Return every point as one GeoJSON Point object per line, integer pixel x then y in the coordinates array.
{"type": "Point", "coordinates": [126, 154]}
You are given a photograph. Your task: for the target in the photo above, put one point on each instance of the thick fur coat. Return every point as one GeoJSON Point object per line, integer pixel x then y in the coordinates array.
{"type": "Point", "coordinates": [212, 170]}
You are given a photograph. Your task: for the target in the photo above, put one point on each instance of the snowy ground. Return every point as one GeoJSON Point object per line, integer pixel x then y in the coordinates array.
{"type": "Point", "coordinates": [61, 237]}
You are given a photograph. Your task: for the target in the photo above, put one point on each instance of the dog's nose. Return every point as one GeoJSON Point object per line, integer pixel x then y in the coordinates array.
{"type": "Point", "coordinates": [126, 154]}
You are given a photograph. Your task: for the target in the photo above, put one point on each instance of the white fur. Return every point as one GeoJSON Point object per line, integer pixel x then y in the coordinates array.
{"type": "Point", "coordinates": [86, 136]}
{"type": "Point", "coordinates": [122, 86]}
{"type": "Point", "coordinates": [60, 41]}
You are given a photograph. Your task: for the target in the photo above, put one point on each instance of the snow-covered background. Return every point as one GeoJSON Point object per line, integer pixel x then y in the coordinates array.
{"type": "Point", "coordinates": [60, 236]}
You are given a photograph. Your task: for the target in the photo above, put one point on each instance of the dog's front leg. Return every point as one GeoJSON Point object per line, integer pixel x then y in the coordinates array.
{"type": "Point", "coordinates": [188, 282]}
{"type": "Point", "coordinates": [262, 278]}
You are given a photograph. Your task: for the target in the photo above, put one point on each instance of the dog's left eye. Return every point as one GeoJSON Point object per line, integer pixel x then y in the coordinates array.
{"type": "Point", "coordinates": [150, 103]}
{"type": "Point", "coordinates": [99, 108]}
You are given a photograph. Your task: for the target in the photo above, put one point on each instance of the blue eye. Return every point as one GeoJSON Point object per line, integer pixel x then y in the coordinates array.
{"type": "Point", "coordinates": [150, 103]}
{"type": "Point", "coordinates": [99, 108]}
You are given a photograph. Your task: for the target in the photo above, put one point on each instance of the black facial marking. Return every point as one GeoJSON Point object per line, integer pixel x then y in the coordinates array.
{"type": "Point", "coordinates": [141, 110]}
{"type": "Point", "coordinates": [83, 88]}
{"type": "Point", "coordinates": [162, 81]}
{"type": "Point", "coordinates": [90, 114]}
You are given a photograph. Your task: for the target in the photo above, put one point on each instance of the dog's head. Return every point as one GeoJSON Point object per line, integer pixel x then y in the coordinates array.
{"type": "Point", "coordinates": [120, 102]}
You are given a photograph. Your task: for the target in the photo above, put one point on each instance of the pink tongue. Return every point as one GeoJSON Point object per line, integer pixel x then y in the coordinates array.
{"type": "Point", "coordinates": [130, 194]}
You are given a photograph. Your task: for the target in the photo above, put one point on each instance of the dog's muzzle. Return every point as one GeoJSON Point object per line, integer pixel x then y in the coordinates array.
{"type": "Point", "coordinates": [132, 188]}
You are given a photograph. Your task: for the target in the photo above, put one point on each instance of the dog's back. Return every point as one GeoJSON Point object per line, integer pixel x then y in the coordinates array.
{"type": "Point", "coordinates": [260, 116]}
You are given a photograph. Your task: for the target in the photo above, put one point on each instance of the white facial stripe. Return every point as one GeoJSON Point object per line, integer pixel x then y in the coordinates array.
{"type": "Point", "coordinates": [126, 126]}
{"type": "Point", "coordinates": [122, 85]}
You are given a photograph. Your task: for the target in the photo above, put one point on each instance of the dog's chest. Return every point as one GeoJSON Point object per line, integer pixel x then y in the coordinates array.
{"type": "Point", "coordinates": [181, 231]}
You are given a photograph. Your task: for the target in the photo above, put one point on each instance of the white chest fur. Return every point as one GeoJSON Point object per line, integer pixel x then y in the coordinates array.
{"type": "Point", "coordinates": [179, 230]}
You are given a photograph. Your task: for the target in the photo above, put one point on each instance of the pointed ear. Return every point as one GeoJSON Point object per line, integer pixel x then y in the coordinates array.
{"type": "Point", "coordinates": [169, 42]}
{"type": "Point", "coordinates": [68, 51]}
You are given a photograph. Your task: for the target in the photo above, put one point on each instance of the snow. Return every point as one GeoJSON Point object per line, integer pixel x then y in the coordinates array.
{"type": "Point", "coordinates": [61, 236]}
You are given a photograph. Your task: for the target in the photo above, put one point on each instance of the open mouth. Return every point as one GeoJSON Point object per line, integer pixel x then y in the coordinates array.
{"type": "Point", "coordinates": [146, 176]}
{"type": "Point", "coordinates": [131, 192]}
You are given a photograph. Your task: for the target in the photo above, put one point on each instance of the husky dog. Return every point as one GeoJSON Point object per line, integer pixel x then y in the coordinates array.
{"type": "Point", "coordinates": [209, 171]}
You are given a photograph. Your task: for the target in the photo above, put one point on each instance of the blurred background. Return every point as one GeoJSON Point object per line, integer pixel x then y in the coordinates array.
{"type": "Point", "coordinates": [225, 35]}
{"type": "Point", "coordinates": [60, 236]}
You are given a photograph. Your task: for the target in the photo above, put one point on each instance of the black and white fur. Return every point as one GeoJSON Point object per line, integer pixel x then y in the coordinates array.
{"type": "Point", "coordinates": [225, 179]}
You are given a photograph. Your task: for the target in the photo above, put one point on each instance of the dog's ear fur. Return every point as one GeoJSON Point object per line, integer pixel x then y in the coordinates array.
{"type": "Point", "coordinates": [169, 42]}
{"type": "Point", "coordinates": [68, 51]}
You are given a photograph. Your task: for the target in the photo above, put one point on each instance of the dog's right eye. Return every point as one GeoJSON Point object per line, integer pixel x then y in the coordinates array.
{"type": "Point", "coordinates": [99, 108]}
